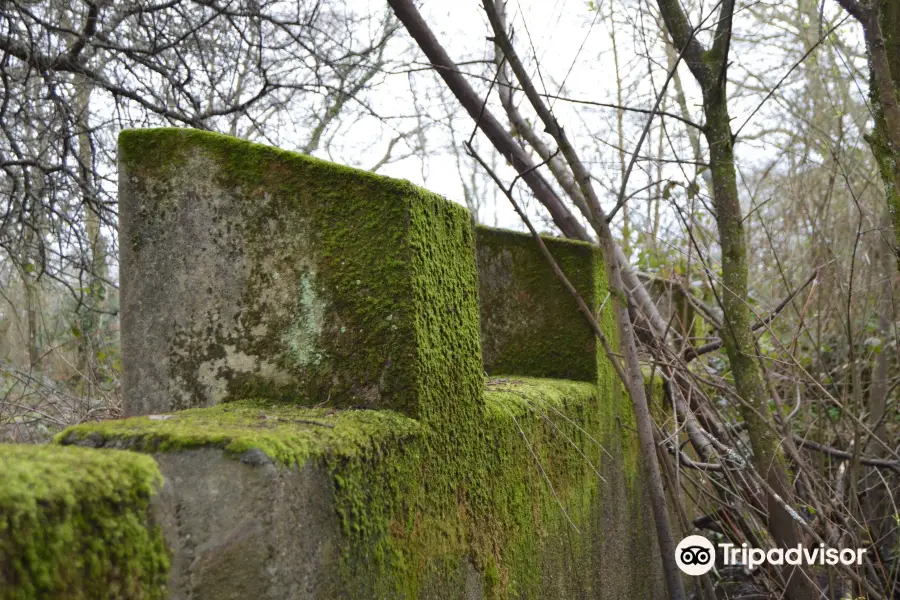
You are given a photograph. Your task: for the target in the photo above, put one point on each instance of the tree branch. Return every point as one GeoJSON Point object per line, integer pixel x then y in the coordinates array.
{"type": "Point", "coordinates": [495, 132]}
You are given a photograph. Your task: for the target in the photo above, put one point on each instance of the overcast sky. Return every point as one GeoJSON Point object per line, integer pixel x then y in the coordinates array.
{"type": "Point", "coordinates": [572, 41]}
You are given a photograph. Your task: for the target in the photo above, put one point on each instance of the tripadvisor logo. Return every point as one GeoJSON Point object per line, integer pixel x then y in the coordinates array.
{"type": "Point", "coordinates": [695, 555]}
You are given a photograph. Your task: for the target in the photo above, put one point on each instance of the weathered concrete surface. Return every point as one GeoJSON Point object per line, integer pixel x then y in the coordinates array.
{"type": "Point", "coordinates": [270, 502]}
{"type": "Point", "coordinates": [530, 323]}
{"type": "Point", "coordinates": [247, 271]}
{"type": "Point", "coordinates": [247, 529]}
{"type": "Point", "coordinates": [364, 455]}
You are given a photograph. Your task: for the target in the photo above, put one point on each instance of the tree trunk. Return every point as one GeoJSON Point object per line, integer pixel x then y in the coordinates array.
{"type": "Point", "coordinates": [709, 67]}
{"type": "Point", "coordinates": [884, 80]}
{"type": "Point", "coordinates": [737, 334]}
{"type": "Point", "coordinates": [880, 21]}
{"type": "Point", "coordinates": [95, 291]}
{"type": "Point", "coordinates": [31, 309]}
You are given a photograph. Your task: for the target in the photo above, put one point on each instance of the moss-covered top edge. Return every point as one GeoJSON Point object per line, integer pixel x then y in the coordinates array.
{"type": "Point", "coordinates": [520, 236]}
{"type": "Point", "coordinates": [153, 146]}
{"type": "Point", "coordinates": [292, 435]}
{"type": "Point", "coordinates": [53, 474]}
{"type": "Point", "coordinates": [517, 395]}
{"type": "Point", "coordinates": [288, 435]}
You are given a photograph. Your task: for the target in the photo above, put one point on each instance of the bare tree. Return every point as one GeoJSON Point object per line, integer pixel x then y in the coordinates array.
{"type": "Point", "coordinates": [74, 73]}
{"type": "Point", "coordinates": [880, 20]}
{"type": "Point", "coordinates": [758, 469]}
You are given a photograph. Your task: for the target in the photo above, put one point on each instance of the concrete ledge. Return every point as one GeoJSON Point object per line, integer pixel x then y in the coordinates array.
{"type": "Point", "coordinates": [75, 523]}
{"type": "Point", "coordinates": [309, 503]}
{"type": "Point", "coordinates": [250, 431]}
{"type": "Point", "coordinates": [256, 502]}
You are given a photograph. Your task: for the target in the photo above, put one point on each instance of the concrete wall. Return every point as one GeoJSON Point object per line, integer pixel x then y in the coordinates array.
{"type": "Point", "coordinates": [361, 452]}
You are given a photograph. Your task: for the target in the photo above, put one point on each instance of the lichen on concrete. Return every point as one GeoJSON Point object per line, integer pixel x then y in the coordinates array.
{"type": "Point", "coordinates": [74, 524]}
{"type": "Point", "coordinates": [302, 338]}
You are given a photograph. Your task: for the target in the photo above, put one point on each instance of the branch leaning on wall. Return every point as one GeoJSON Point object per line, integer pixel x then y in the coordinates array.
{"type": "Point", "coordinates": [565, 220]}
{"type": "Point", "coordinates": [632, 375]}
{"type": "Point", "coordinates": [738, 487]}
{"type": "Point", "coordinates": [613, 357]}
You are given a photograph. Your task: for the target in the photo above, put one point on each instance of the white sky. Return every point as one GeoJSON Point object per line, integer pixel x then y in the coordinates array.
{"type": "Point", "coordinates": [573, 43]}
{"type": "Point", "coordinates": [568, 38]}
{"type": "Point", "coordinates": [557, 29]}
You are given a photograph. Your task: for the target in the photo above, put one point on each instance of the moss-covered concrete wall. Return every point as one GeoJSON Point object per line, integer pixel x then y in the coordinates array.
{"type": "Point", "coordinates": [250, 271]}
{"type": "Point", "coordinates": [529, 321]}
{"type": "Point", "coordinates": [75, 524]}
{"type": "Point", "coordinates": [360, 452]}
{"type": "Point", "coordinates": [289, 502]}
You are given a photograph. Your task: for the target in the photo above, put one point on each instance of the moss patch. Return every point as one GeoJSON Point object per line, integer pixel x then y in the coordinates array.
{"type": "Point", "coordinates": [289, 435]}
{"type": "Point", "coordinates": [74, 525]}
{"type": "Point", "coordinates": [530, 324]}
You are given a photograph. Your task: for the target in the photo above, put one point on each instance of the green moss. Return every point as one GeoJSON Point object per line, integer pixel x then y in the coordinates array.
{"type": "Point", "coordinates": [655, 387]}
{"type": "Point", "coordinates": [508, 500]}
{"type": "Point", "coordinates": [289, 435]}
{"type": "Point", "coordinates": [380, 276]}
{"type": "Point", "coordinates": [530, 324]}
{"type": "Point", "coordinates": [412, 508]}
{"type": "Point", "coordinates": [445, 293]}
{"type": "Point", "coordinates": [74, 525]}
